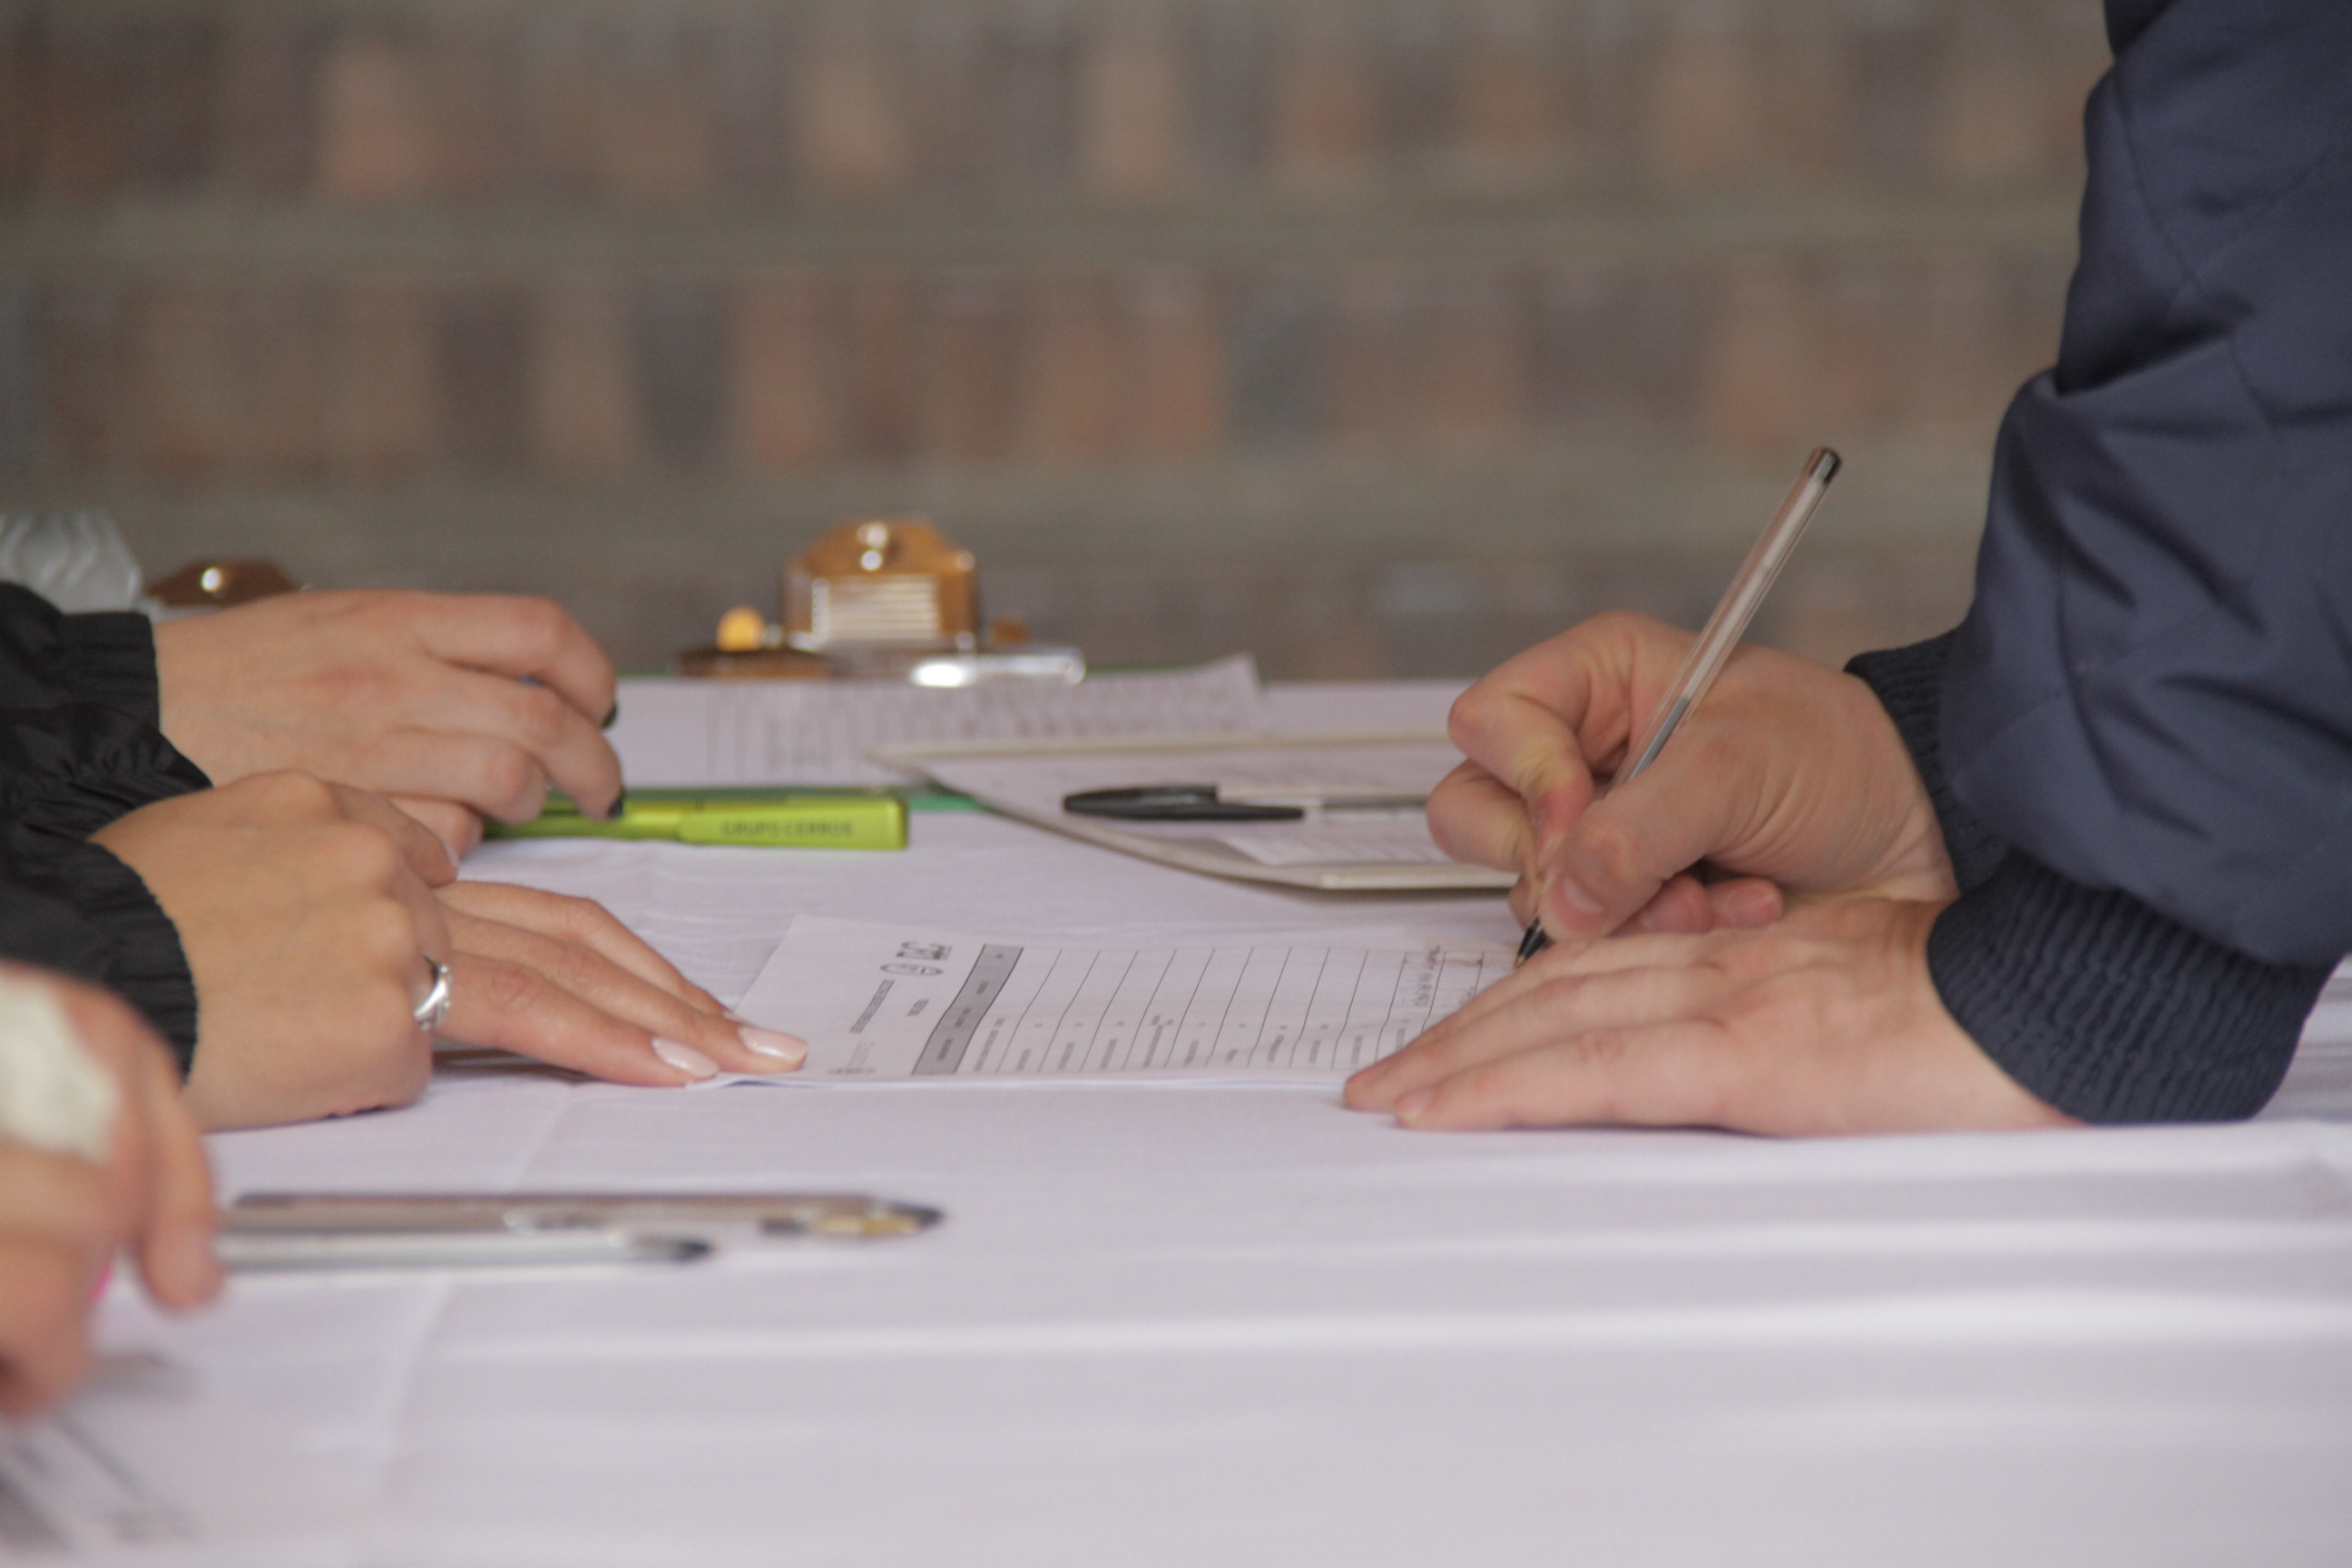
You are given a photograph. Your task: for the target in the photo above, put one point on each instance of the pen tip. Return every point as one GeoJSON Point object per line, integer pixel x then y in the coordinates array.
{"type": "Point", "coordinates": [1824, 463]}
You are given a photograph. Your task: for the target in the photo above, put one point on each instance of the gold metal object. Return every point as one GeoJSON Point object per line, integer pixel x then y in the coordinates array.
{"type": "Point", "coordinates": [743, 630]}
{"type": "Point", "coordinates": [880, 599]}
{"type": "Point", "coordinates": [882, 584]}
{"type": "Point", "coordinates": [221, 584]}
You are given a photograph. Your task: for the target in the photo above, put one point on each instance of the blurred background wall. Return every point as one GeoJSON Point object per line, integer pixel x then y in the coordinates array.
{"type": "Point", "coordinates": [1376, 336]}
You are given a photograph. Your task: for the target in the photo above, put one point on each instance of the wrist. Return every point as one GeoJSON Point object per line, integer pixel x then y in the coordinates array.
{"type": "Point", "coordinates": [1908, 683]}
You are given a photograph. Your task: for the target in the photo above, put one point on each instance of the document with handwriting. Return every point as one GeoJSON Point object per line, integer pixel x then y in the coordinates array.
{"type": "Point", "coordinates": [878, 1002]}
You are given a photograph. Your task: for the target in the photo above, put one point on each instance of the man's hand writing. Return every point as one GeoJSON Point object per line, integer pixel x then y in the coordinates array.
{"type": "Point", "coordinates": [1789, 775]}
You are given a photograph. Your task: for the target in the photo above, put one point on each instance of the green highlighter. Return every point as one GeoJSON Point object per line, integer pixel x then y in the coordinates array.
{"type": "Point", "coordinates": [789, 822]}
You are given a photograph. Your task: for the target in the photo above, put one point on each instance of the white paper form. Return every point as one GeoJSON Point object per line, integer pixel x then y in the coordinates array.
{"type": "Point", "coordinates": [877, 1002]}
{"type": "Point", "coordinates": [690, 733]}
{"type": "Point", "coordinates": [1339, 851]}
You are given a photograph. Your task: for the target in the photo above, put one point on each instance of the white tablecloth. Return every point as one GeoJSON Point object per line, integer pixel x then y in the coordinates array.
{"type": "Point", "coordinates": [1191, 1326]}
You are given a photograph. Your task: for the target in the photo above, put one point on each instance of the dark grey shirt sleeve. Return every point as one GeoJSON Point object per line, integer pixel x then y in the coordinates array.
{"type": "Point", "coordinates": [2096, 1003]}
{"type": "Point", "coordinates": [2152, 694]}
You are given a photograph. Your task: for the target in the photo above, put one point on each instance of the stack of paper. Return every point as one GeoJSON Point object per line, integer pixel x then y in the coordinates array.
{"type": "Point", "coordinates": [699, 734]}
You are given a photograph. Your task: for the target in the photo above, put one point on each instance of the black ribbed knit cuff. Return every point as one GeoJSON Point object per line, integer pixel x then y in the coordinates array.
{"type": "Point", "coordinates": [148, 965]}
{"type": "Point", "coordinates": [2111, 1012]}
{"type": "Point", "coordinates": [2092, 1001]}
{"type": "Point", "coordinates": [108, 659]}
{"type": "Point", "coordinates": [1909, 684]}
{"type": "Point", "coordinates": [48, 658]}
{"type": "Point", "coordinates": [73, 906]}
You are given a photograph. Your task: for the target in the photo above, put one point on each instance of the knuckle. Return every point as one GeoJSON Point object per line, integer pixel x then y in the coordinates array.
{"type": "Point", "coordinates": [1601, 1057]}
{"type": "Point", "coordinates": [1611, 847]}
{"type": "Point", "coordinates": [539, 624]}
{"type": "Point", "coordinates": [382, 932]}
{"type": "Point", "coordinates": [1617, 624]}
{"type": "Point", "coordinates": [509, 774]}
{"type": "Point", "coordinates": [508, 987]}
{"type": "Point", "coordinates": [540, 716]}
{"type": "Point", "coordinates": [1765, 958]}
{"type": "Point", "coordinates": [359, 853]}
{"type": "Point", "coordinates": [1468, 721]}
{"type": "Point", "coordinates": [573, 969]}
{"type": "Point", "coordinates": [292, 794]}
{"type": "Point", "coordinates": [1485, 1089]}
{"type": "Point", "coordinates": [584, 916]}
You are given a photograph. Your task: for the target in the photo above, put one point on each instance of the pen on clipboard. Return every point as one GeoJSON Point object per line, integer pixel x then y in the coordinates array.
{"type": "Point", "coordinates": [1722, 633]}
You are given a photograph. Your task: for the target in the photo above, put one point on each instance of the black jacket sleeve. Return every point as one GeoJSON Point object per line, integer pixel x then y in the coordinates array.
{"type": "Point", "coordinates": [2099, 1005]}
{"type": "Point", "coordinates": [79, 748]}
{"type": "Point", "coordinates": [48, 657]}
{"type": "Point", "coordinates": [2151, 696]}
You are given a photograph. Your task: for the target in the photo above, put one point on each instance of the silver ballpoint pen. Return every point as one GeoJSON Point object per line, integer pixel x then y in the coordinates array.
{"type": "Point", "coordinates": [1724, 628]}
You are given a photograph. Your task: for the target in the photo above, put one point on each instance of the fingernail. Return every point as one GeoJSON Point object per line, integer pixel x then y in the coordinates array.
{"type": "Point", "coordinates": [783, 1049]}
{"type": "Point", "coordinates": [1409, 1109]}
{"type": "Point", "coordinates": [685, 1058]}
{"type": "Point", "coordinates": [184, 1256]}
{"type": "Point", "coordinates": [1752, 905]}
{"type": "Point", "coordinates": [620, 800]}
{"type": "Point", "coordinates": [1573, 904]}
{"type": "Point", "coordinates": [609, 717]}
{"type": "Point", "coordinates": [1549, 817]}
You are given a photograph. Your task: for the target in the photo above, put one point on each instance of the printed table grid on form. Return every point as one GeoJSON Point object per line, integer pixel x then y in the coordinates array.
{"type": "Point", "coordinates": [1040, 1010]}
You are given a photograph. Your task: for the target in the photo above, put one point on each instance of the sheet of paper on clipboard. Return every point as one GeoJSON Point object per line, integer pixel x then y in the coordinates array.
{"type": "Point", "coordinates": [1347, 851]}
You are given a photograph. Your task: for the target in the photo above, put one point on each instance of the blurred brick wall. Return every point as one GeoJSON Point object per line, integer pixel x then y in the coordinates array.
{"type": "Point", "coordinates": [1376, 335]}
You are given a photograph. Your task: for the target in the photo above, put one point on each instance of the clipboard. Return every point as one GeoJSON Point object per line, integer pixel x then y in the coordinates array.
{"type": "Point", "coordinates": [1028, 780]}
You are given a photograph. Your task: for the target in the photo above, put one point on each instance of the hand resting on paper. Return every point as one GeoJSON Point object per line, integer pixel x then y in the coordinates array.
{"type": "Point", "coordinates": [63, 1216]}
{"type": "Point", "coordinates": [451, 704]}
{"type": "Point", "coordinates": [1790, 777]}
{"type": "Point", "coordinates": [307, 911]}
{"type": "Point", "coordinates": [1825, 1021]}
{"type": "Point", "coordinates": [559, 979]}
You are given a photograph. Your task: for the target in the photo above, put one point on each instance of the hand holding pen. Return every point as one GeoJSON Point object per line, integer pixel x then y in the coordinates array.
{"type": "Point", "coordinates": [1776, 776]}
{"type": "Point", "coordinates": [1721, 635]}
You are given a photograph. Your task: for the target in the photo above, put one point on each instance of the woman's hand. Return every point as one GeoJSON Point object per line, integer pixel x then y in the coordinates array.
{"type": "Point", "coordinates": [306, 914]}
{"type": "Point", "coordinates": [308, 911]}
{"type": "Point", "coordinates": [559, 979]}
{"type": "Point", "coordinates": [451, 704]}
